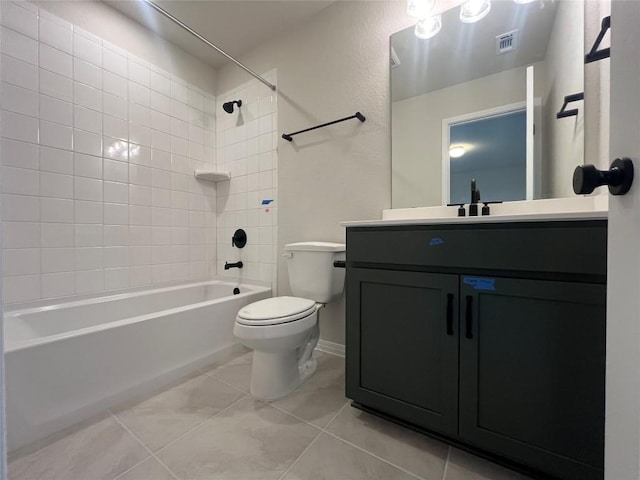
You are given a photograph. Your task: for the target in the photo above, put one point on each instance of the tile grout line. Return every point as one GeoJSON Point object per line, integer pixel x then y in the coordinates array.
{"type": "Point", "coordinates": [277, 407]}
{"type": "Point", "coordinates": [215, 377]}
{"type": "Point", "coordinates": [153, 455]}
{"type": "Point", "coordinates": [199, 425]}
{"type": "Point", "coordinates": [117, 420]}
{"type": "Point", "coordinates": [311, 444]}
{"type": "Point", "coordinates": [324, 430]}
{"type": "Point", "coordinates": [446, 464]}
{"type": "Point", "coordinates": [374, 455]}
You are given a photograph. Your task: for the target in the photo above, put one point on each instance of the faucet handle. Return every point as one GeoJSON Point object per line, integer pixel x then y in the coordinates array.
{"type": "Point", "coordinates": [461, 211]}
{"type": "Point", "coordinates": [239, 238]}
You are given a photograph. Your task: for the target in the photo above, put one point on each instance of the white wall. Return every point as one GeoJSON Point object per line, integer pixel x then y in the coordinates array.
{"type": "Point", "coordinates": [597, 88]}
{"type": "Point", "coordinates": [112, 26]}
{"type": "Point", "coordinates": [246, 147]}
{"type": "Point", "coordinates": [564, 137]}
{"type": "Point", "coordinates": [99, 148]}
{"type": "Point", "coordinates": [328, 69]}
{"type": "Point", "coordinates": [417, 131]}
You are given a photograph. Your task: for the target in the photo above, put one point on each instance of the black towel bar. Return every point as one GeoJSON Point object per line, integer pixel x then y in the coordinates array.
{"type": "Point", "coordinates": [594, 55]}
{"type": "Point", "coordinates": [568, 99]}
{"type": "Point", "coordinates": [288, 136]}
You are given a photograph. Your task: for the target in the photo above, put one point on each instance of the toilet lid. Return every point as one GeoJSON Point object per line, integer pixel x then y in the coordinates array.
{"type": "Point", "coordinates": [276, 310]}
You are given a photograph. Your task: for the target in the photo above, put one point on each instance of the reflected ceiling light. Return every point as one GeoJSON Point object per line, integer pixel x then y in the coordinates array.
{"type": "Point", "coordinates": [456, 151]}
{"type": "Point", "coordinates": [522, 2]}
{"type": "Point", "coordinates": [420, 8]}
{"type": "Point", "coordinates": [472, 11]}
{"type": "Point", "coordinates": [118, 150]}
{"type": "Point", "coordinates": [428, 27]}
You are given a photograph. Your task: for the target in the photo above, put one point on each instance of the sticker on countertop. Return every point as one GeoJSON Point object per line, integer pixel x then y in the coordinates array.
{"type": "Point", "coordinates": [480, 283]}
{"type": "Point", "coordinates": [266, 201]}
{"type": "Point", "coordinates": [435, 241]}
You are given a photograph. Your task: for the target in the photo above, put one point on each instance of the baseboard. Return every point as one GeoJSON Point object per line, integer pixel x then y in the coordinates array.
{"type": "Point", "coordinates": [330, 347]}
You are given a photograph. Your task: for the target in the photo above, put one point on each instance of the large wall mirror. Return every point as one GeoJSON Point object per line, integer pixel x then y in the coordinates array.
{"type": "Point", "coordinates": [479, 101]}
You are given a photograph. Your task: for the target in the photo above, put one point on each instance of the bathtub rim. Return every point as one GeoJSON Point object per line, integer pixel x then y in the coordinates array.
{"type": "Point", "coordinates": [255, 287]}
{"type": "Point", "coordinates": [11, 308]}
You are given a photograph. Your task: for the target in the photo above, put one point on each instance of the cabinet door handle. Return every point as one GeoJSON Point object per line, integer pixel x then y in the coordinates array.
{"type": "Point", "coordinates": [469, 317]}
{"type": "Point", "coordinates": [449, 313]}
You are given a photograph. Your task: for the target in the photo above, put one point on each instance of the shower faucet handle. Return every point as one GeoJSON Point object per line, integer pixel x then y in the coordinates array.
{"type": "Point", "coordinates": [239, 238]}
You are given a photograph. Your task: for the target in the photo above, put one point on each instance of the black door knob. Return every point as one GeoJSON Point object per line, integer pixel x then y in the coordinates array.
{"type": "Point", "coordinates": [586, 178]}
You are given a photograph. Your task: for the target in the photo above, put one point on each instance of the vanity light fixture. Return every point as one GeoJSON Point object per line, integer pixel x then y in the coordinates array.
{"type": "Point", "coordinates": [428, 27]}
{"type": "Point", "coordinates": [420, 9]}
{"type": "Point", "coordinates": [456, 151]}
{"type": "Point", "coordinates": [473, 11]}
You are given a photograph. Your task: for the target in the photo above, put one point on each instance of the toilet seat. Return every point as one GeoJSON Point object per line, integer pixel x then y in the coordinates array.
{"type": "Point", "coordinates": [276, 311]}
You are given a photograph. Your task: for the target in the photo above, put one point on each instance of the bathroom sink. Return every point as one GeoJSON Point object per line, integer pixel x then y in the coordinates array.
{"type": "Point", "coordinates": [526, 210]}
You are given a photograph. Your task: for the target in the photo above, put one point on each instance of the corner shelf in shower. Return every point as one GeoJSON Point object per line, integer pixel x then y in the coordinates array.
{"type": "Point", "coordinates": [211, 176]}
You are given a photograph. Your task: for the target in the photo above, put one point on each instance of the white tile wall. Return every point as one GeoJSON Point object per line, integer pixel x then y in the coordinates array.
{"type": "Point", "coordinates": [98, 152]}
{"type": "Point", "coordinates": [247, 147]}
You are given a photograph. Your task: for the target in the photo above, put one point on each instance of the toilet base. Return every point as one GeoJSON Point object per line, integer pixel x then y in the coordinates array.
{"type": "Point", "coordinates": [274, 375]}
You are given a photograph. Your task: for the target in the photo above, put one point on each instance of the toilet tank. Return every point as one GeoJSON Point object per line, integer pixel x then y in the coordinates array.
{"type": "Point", "coordinates": [311, 271]}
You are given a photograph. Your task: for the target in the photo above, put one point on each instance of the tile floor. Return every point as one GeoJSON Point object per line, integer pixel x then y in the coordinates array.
{"type": "Point", "coordinates": [207, 426]}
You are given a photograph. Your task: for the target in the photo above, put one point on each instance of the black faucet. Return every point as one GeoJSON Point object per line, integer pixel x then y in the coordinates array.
{"type": "Point", "coordinates": [475, 199]}
{"type": "Point", "coordinates": [227, 266]}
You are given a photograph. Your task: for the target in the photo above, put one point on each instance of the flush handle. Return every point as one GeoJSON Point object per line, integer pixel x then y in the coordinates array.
{"type": "Point", "coordinates": [586, 178]}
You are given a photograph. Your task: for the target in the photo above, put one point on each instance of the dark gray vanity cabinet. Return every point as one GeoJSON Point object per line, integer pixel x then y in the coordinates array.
{"type": "Point", "coordinates": [489, 335]}
{"type": "Point", "coordinates": [412, 356]}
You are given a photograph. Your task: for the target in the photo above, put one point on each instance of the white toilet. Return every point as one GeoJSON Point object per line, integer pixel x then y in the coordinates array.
{"type": "Point", "coordinates": [283, 331]}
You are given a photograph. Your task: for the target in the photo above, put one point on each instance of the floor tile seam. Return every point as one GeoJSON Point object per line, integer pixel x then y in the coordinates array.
{"type": "Point", "coordinates": [130, 432]}
{"type": "Point", "coordinates": [204, 422]}
{"type": "Point", "coordinates": [375, 456]}
{"type": "Point", "coordinates": [284, 474]}
{"type": "Point", "coordinates": [166, 468]}
{"type": "Point", "coordinates": [446, 464]}
{"type": "Point", "coordinates": [120, 475]}
{"type": "Point", "coordinates": [282, 410]}
{"type": "Point", "coordinates": [312, 442]}
{"type": "Point", "coordinates": [222, 380]}
{"type": "Point", "coordinates": [346, 404]}
{"type": "Point", "coordinates": [135, 437]}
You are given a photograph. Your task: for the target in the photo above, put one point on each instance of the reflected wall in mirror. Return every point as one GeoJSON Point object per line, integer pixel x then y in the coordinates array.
{"type": "Point", "coordinates": [471, 79]}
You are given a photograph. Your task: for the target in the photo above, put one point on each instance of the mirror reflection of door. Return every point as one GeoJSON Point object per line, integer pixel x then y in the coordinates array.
{"type": "Point", "coordinates": [491, 150]}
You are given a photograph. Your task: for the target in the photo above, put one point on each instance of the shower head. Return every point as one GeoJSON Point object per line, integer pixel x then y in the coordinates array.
{"type": "Point", "coordinates": [228, 107]}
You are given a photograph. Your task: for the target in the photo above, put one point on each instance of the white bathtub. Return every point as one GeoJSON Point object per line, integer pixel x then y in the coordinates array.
{"type": "Point", "coordinates": [69, 361]}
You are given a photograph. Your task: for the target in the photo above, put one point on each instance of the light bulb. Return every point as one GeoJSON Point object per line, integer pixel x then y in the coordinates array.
{"type": "Point", "coordinates": [456, 151]}
{"type": "Point", "coordinates": [428, 27]}
{"type": "Point", "coordinates": [474, 10]}
{"type": "Point", "coordinates": [420, 8]}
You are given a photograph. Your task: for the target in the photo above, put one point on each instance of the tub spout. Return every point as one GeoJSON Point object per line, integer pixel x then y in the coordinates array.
{"type": "Point", "coordinates": [227, 265]}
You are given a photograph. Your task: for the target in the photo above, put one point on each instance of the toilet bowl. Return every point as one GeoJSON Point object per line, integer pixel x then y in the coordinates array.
{"type": "Point", "coordinates": [283, 331]}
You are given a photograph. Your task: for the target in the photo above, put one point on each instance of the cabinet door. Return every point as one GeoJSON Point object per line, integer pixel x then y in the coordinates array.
{"type": "Point", "coordinates": [532, 370]}
{"type": "Point", "coordinates": [402, 345]}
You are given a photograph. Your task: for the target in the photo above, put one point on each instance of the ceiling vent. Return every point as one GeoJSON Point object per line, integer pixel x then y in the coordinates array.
{"type": "Point", "coordinates": [395, 61]}
{"type": "Point", "coordinates": [507, 42]}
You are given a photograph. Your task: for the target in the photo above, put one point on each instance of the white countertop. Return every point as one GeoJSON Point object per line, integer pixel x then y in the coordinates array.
{"type": "Point", "coordinates": [561, 209]}
{"type": "Point", "coordinates": [530, 217]}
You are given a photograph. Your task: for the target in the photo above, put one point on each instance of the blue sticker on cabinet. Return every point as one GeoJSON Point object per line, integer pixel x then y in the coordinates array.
{"type": "Point", "coordinates": [480, 283]}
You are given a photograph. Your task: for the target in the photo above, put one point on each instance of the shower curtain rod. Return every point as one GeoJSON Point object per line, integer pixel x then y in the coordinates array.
{"type": "Point", "coordinates": [200, 37]}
